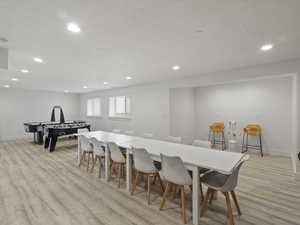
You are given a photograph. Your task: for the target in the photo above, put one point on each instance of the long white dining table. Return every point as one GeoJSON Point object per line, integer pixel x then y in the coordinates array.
{"type": "Point", "coordinates": [193, 157]}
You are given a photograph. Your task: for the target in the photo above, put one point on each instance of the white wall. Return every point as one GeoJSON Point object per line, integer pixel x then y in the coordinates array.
{"type": "Point", "coordinates": [182, 114]}
{"type": "Point", "coordinates": [267, 102]}
{"type": "Point", "coordinates": [149, 107]}
{"type": "Point", "coordinates": [19, 106]}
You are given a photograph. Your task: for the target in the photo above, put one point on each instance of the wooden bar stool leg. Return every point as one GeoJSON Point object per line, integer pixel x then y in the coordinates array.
{"type": "Point", "coordinates": [260, 145]}
{"type": "Point", "coordinates": [183, 204]}
{"type": "Point", "coordinates": [229, 208]}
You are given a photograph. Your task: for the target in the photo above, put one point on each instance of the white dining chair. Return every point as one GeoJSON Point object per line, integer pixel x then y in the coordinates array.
{"type": "Point", "coordinates": [148, 135]}
{"type": "Point", "coordinates": [99, 153]}
{"type": "Point", "coordinates": [202, 143]}
{"type": "Point", "coordinates": [129, 132]}
{"type": "Point", "coordinates": [117, 160]}
{"type": "Point", "coordinates": [116, 131]}
{"type": "Point", "coordinates": [144, 166]}
{"type": "Point", "coordinates": [87, 149]}
{"type": "Point", "coordinates": [175, 174]}
{"type": "Point", "coordinates": [226, 184]}
{"type": "Point", "coordinates": [82, 130]}
{"type": "Point", "coordinates": [174, 139]}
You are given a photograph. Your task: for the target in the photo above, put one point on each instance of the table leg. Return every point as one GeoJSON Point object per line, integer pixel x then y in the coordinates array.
{"type": "Point", "coordinates": [128, 170]}
{"type": "Point", "coordinates": [78, 150]}
{"type": "Point", "coordinates": [107, 162]}
{"type": "Point", "coordinates": [196, 194]}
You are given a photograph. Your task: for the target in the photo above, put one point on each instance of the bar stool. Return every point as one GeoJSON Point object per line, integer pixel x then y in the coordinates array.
{"type": "Point", "coordinates": [217, 129]}
{"type": "Point", "coordinates": [252, 130]}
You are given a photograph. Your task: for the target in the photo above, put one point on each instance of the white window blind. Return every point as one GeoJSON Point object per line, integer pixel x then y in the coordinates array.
{"type": "Point", "coordinates": [119, 106]}
{"type": "Point", "coordinates": [94, 107]}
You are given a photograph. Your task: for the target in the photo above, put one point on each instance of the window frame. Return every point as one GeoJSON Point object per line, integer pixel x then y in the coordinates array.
{"type": "Point", "coordinates": [93, 100]}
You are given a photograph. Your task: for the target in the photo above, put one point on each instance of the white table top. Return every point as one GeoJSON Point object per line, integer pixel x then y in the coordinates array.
{"type": "Point", "coordinates": [221, 161]}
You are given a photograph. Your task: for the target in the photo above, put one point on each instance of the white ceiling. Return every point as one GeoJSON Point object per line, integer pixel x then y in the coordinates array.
{"type": "Point", "coordinates": [142, 39]}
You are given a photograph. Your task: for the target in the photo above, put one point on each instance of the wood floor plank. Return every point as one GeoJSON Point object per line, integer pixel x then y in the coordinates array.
{"type": "Point", "coordinates": [42, 188]}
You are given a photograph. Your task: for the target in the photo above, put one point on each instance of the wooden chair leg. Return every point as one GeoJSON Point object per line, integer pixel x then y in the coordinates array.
{"type": "Point", "coordinates": [201, 192]}
{"type": "Point", "coordinates": [81, 158]}
{"type": "Point", "coordinates": [175, 191]}
{"type": "Point", "coordinates": [87, 168]}
{"type": "Point", "coordinates": [183, 204]}
{"type": "Point", "coordinates": [119, 175]}
{"type": "Point", "coordinates": [111, 170]}
{"type": "Point", "coordinates": [205, 202]}
{"type": "Point", "coordinates": [236, 202]}
{"type": "Point", "coordinates": [229, 209]}
{"type": "Point", "coordinates": [154, 179]}
{"type": "Point", "coordinates": [165, 195]}
{"type": "Point", "coordinates": [94, 162]}
{"type": "Point", "coordinates": [135, 182]}
{"type": "Point", "coordinates": [212, 195]}
{"type": "Point", "coordinates": [100, 167]}
{"type": "Point", "coordinates": [161, 183]}
{"type": "Point", "coordinates": [148, 189]}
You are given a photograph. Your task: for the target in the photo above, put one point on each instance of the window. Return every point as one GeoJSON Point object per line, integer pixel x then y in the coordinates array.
{"type": "Point", "coordinates": [93, 107]}
{"type": "Point", "coordinates": [119, 106]}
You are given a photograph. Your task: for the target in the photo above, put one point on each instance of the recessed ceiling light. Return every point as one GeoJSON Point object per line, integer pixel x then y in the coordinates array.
{"type": "Point", "coordinates": [128, 78]}
{"type": "Point", "coordinates": [176, 67]}
{"type": "Point", "coordinates": [85, 87]}
{"type": "Point", "coordinates": [266, 47]}
{"type": "Point", "coordinates": [73, 28]}
{"type": "Point", "coordinates": [24, 71]}
{"type": "Point", "coordinates": [66, 91]}
{"type": "Point", "coordinates": [105, 82]}
{"type": "Point", "coordinates": [6, 86]}
{"type": "Point", "coordinates": [39, 60]}
{"type": "Point", "coordinates": [14, 79]}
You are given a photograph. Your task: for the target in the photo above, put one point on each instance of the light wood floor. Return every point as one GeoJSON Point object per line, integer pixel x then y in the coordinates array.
{"type": "Point", "coordinates": [41, 188]}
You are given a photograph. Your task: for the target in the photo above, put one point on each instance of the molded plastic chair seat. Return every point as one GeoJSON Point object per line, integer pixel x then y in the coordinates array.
{"type": "Point", "coordinates": [201, 143]}
{"type": "Point", "coordinates": [144, 165]}
{"type": "Point", "coordinates": [98, 147]}
{"type": "Point", "coordinates": [116, 131]}
{"type": "Point", "coordinates": [174, 139]}
{"type": "Point", "coordinates": [129, 132]}
{"type": "Point", "coordinates": [117, 160]}
{"type": "Point", "coordinates": [225, 184]}
{"type": "Point", "coordinates": [174, 172]}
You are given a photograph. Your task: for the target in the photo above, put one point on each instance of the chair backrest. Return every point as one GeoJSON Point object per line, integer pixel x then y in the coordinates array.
{"type": "Point", "coordinates": [148, 135]}
{"type": "Point", "coordinates": [82, 130]}
{"type": "Point", "coordinates": [129, 132]}
{"type": "Point", "coordinates": [97, 146]}
{"type": "Point", "coordinates": [142, 161]}
{"type": "Point", "coordinates": [201, 143]}
{"type": "Point", "coordinates": [232, 179]}
{"type": "Point", "coordinates": [174, 171]}
{"type": "Point", "coordinates": [116, 131]}
{"type": "Point", "coordinates": [174, 139]}
{"type": "Point", "coordinates": [115, 153]}
{"type": "Point", "coordinates": [85, 143]}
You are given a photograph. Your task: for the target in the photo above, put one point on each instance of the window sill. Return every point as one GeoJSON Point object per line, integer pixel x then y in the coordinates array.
{"type": "Point", "coordinates": [126, 117]}
{"type": "Point", "coordinates": [95, 117]}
